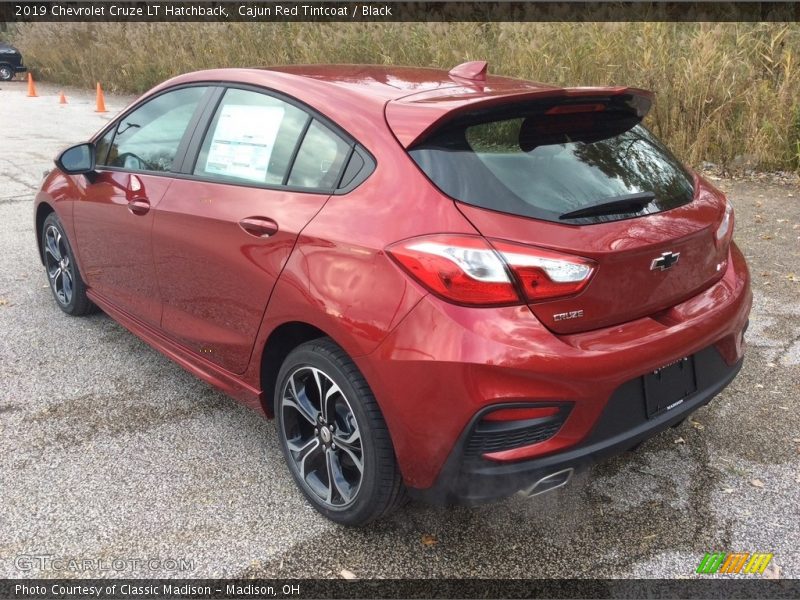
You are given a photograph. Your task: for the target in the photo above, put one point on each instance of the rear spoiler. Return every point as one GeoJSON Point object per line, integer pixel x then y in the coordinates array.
{"type": "Point", "coordinates": [413, 117]}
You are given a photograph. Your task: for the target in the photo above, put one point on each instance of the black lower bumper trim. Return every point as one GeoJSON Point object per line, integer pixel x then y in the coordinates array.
{"type": "Point", "coordinates": [622, 425]}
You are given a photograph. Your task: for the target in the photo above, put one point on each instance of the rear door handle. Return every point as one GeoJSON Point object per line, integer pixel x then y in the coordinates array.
{"type": "Point", "coordinates": [261, 227]}
{"type": "Point", "coordinates": [139, 206]}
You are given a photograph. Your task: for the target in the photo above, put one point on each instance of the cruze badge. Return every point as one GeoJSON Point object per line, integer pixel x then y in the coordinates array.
{"type": "Point", "coordinates": [666, 261]}
{"type": "Point", "coordinates": [573, 314]}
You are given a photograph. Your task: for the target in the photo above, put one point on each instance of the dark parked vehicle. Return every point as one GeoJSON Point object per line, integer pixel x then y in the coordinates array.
{"type": "Point", "coordinates": [10, 62]}
{"type": "Point", "coordinates": [452, 284]}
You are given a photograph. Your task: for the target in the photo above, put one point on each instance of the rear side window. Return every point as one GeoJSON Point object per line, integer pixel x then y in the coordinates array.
{"type": "Point", "coordinates": [544, 166]}
{"type": "Point", "coordinates": [252, 138]}
{"type": "Point", "coordinates": [320, 159]}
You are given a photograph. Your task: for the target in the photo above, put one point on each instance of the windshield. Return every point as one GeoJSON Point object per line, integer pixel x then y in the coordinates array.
{"type": "Point", "coordinates": [545, 166]}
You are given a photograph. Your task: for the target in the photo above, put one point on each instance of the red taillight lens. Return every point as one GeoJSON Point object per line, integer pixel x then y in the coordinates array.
{"type": "Point", "coordinates": [545, 274]}
{"type": "Point", "coordinates": [522, 414]}
{"type": "Point", "coordinates": [469, 270]}
{"type": "Point", "coordinates": [460, 268]}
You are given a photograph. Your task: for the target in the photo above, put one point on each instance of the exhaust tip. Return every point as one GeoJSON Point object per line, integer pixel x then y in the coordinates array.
{"type": "Point", "coordinates": [549, 483]}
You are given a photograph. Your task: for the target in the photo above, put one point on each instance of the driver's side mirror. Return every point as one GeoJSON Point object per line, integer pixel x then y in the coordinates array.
{"type": "Point", "coordinates": [77, 160]}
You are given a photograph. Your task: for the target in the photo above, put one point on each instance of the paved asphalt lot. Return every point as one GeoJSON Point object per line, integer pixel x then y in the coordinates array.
{"type": "Point", "coordinates": [110, 451]}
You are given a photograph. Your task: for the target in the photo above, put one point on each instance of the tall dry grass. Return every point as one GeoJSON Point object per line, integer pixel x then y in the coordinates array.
{"type": "Point", "coordinates": [726, 92]}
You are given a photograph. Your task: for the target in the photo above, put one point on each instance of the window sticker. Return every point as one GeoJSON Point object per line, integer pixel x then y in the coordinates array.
{"type": "Point", "coordinates": [243, 141]}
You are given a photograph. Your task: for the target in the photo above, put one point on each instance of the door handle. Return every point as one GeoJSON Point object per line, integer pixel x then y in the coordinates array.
{"type": "Point", "coordinates": [139, 206]}
{"type": "Point", "coordinates": [261, 227]}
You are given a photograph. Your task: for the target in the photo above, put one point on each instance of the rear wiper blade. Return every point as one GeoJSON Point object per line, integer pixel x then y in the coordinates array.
{"type": "Point", "coordinates": [616, 205]}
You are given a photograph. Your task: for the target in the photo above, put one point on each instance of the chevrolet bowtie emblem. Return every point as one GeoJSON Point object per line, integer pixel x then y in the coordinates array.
{"type": "Point", "coordinates": [665, 261]}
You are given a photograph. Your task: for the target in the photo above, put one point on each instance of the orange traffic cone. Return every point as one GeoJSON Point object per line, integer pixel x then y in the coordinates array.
{"type": "Point", "coordinates": [31, 87]}
{"type": "Point", "coordinates": [62, 99]}
{"type": "Point", "coordinates": [101, 100]}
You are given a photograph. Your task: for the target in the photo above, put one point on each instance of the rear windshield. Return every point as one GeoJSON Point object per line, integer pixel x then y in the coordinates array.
{"type": "Point", "coordinates": [545, 166]}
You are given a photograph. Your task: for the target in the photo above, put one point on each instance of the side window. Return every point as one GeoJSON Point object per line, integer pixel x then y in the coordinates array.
{"type": "Point", "coordinates": [320, 159]}
{"type": "Point", "coordinates": [252, 138]}
{"type": "Point", "coordinates": [148, 138]}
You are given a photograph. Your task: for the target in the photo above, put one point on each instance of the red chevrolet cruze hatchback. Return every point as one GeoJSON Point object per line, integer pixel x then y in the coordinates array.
{"type": "Point", "coordinates": [448, 285]}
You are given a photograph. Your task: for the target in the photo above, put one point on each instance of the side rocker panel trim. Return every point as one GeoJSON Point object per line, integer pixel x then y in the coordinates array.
{"type": "Point", "coordinates": [196, 365]}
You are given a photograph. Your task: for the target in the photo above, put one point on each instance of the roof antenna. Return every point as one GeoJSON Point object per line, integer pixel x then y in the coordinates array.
{"type": "Point", "coordinates": [475, 70]}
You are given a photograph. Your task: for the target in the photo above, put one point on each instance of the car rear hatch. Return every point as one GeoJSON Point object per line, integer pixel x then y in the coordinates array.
{"type": "Point", "coordinates": [573, 171]}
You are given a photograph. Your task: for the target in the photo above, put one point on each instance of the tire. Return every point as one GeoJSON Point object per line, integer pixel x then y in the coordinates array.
{"type": "Point", "coordinates": [352, 429]}
{"type": "Point", "coordinates": [6, 73]}
{"type": "Point", "coordinates": [65, 280]}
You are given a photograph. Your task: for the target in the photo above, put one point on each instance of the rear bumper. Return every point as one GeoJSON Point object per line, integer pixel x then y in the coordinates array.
{"type": "Point", "coordinates": [20, 69]}
{"type": "Point", "coordinates": [622, 426]}
{"type": "Point", "coordinates": [443, 365]}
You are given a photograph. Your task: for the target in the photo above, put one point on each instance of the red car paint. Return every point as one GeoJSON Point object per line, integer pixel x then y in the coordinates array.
{"type": "Point", "coordinates": [188, 279]}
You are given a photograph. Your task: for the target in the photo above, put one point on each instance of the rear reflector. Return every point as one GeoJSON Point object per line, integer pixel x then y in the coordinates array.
{"type": "Point", "coordinates": [522, 414]}
{"type": "Point", "coordinates": [470, 270]}
{"type": "Point", "coordinates": [525, 426]}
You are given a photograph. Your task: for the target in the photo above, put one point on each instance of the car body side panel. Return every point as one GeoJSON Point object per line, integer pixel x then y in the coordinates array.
{"type": "Point", "coordinates": [58, 192]}
{"type": "Point", "coordinates": [339, 278]}
{"type": "Point", "coordinates": [115, 244]}
{"type": "Point", "coordinates": [215, 278]}
{"type": "Point", "coordinates": [198, 366]}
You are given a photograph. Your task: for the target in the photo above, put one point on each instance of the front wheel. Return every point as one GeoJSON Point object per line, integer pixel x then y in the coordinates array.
{"type": "Point", "coordinates": [6, 73]}
{"type": "Point", "coordinates": [66, 283]}
{"type": "Point", "coordinates": [333, 436]}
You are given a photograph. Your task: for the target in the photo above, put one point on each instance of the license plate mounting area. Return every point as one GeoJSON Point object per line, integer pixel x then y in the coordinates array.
{"type": "Point", "coordinates": [667, 387]}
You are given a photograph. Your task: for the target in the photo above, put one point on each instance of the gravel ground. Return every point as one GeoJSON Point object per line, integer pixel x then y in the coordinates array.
{"type": "Point", "coordinates": [110, 451]}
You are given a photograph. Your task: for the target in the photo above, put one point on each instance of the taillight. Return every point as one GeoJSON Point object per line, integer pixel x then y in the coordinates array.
{"type": "Point", "coordinates": [569, 109]}
{"type": "Point", "coordinates": [460, 268]}
{"type": "Point", "coordinates": [469, 270]}
{"type": "Point", "coordinates": [524, 413]}
{"type": "Point", "coordinates": [726, 226]}
{"type": "Point", "coordinates": [545, 274]}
